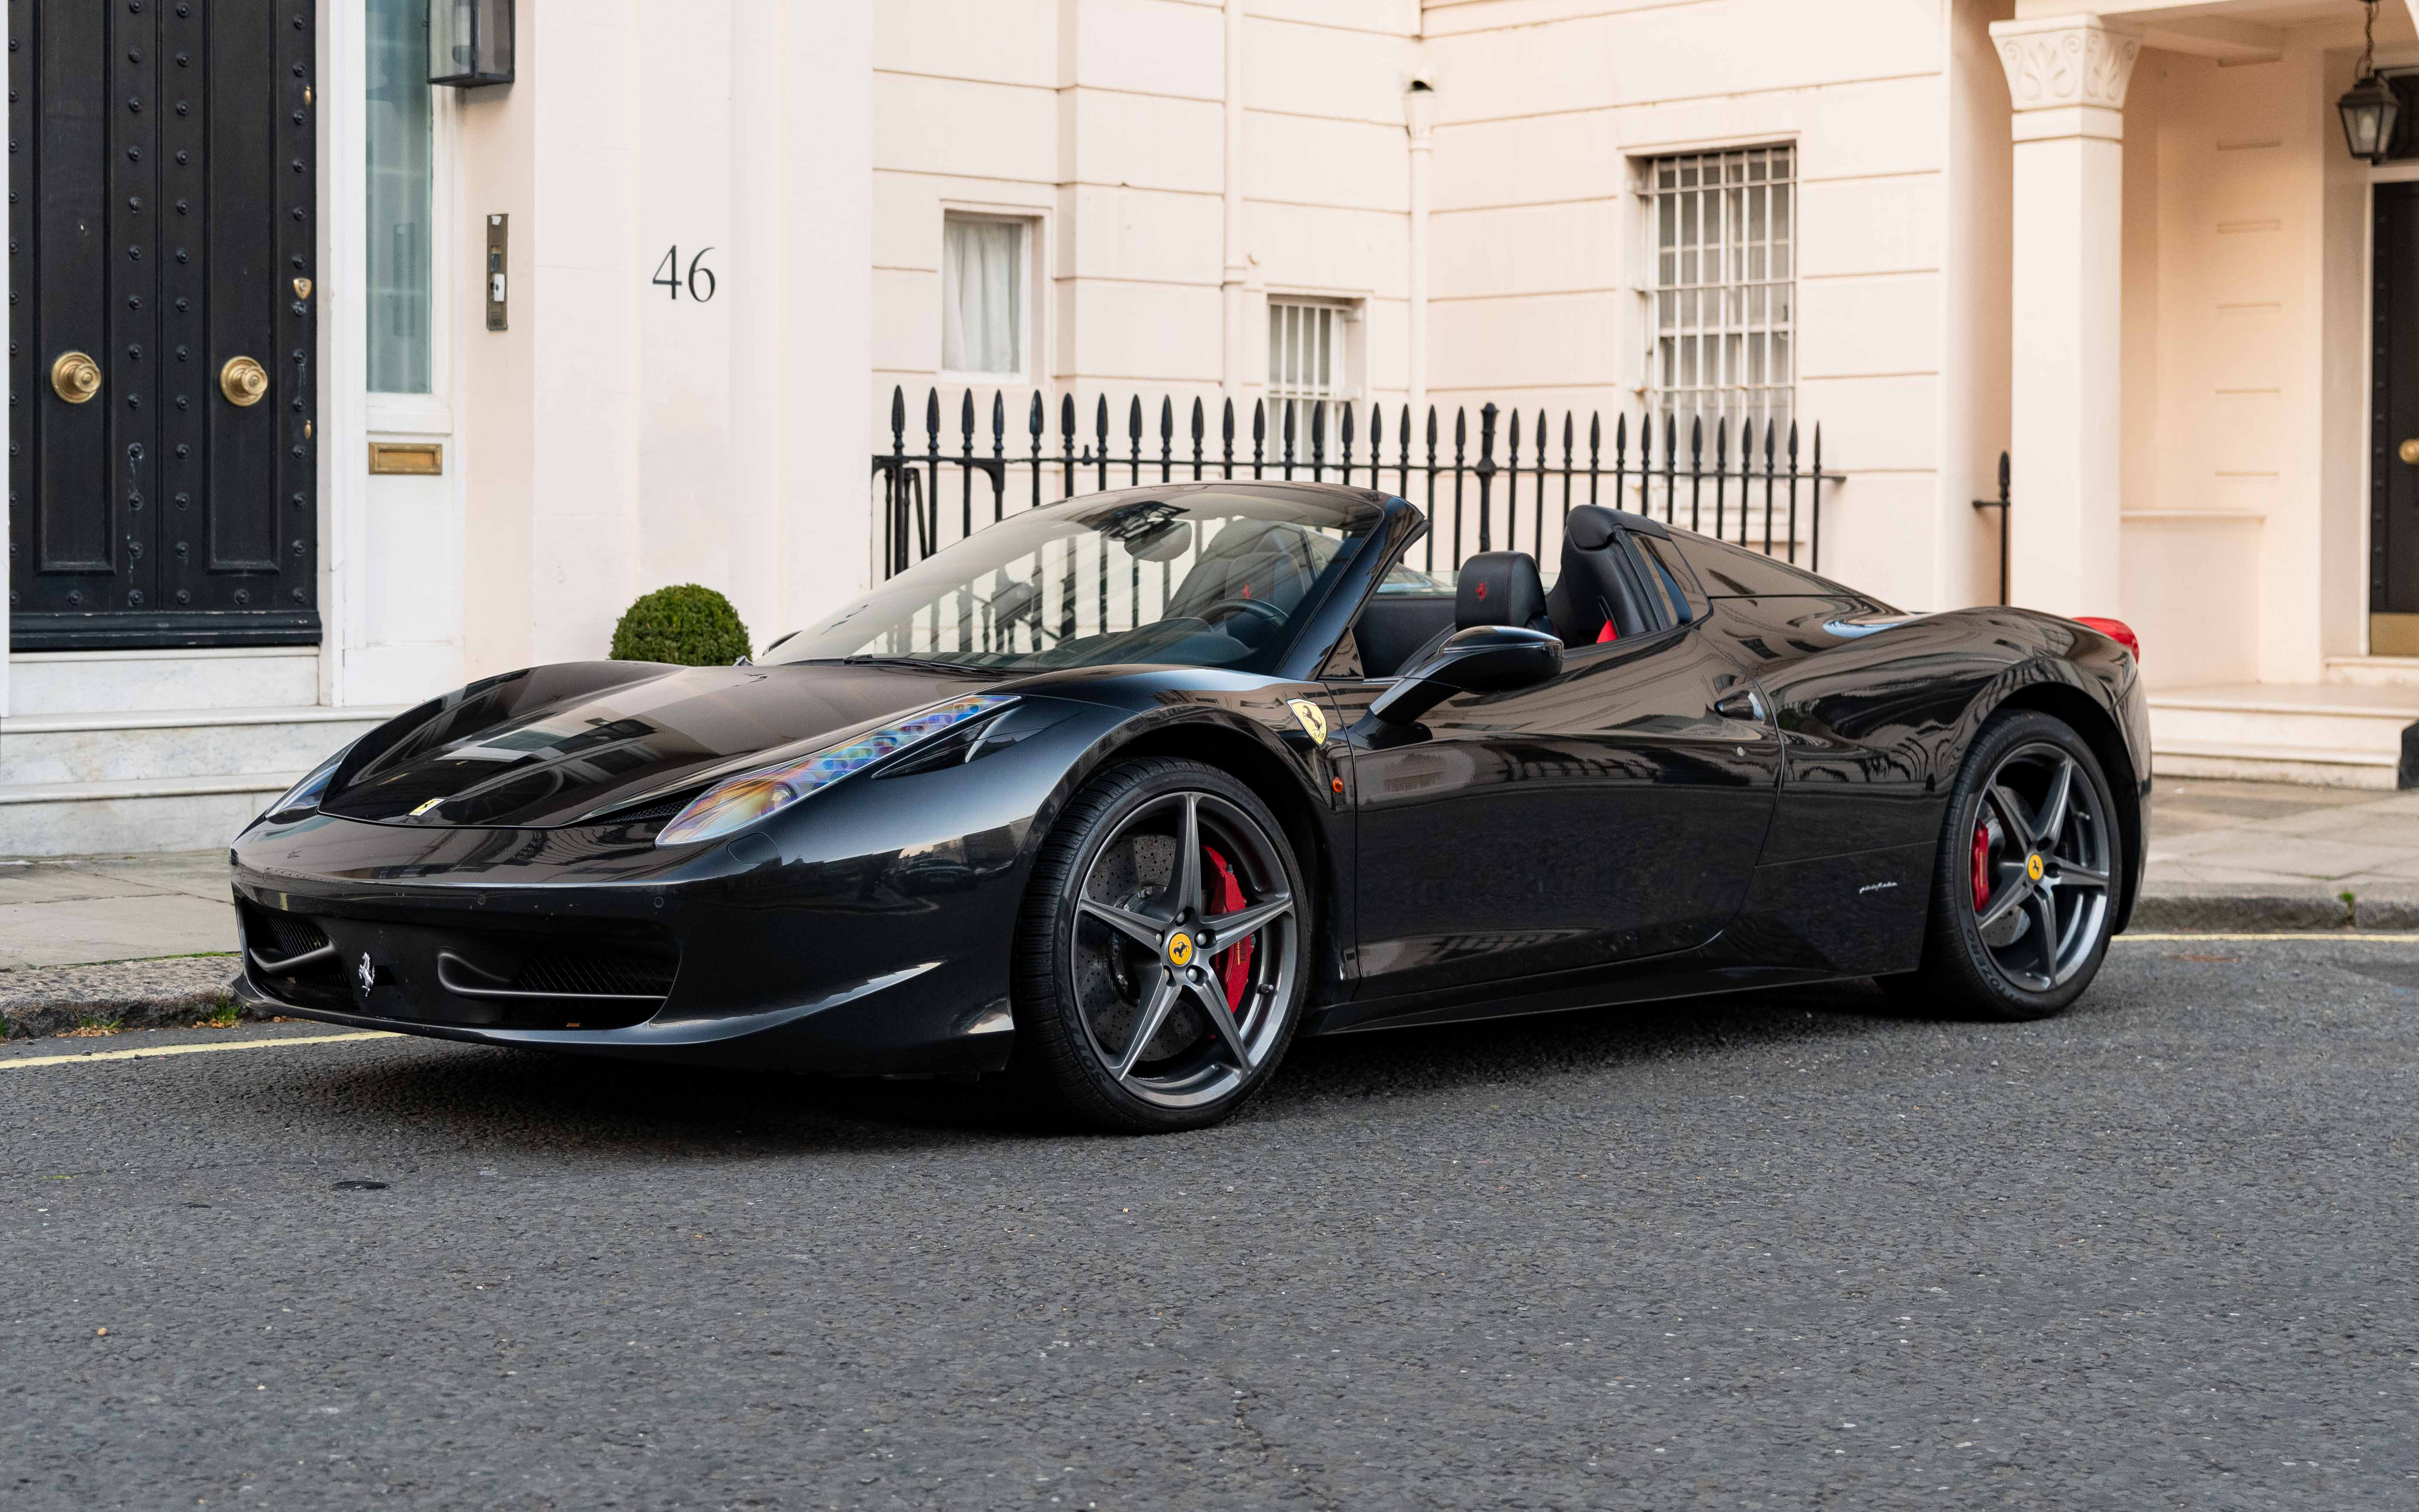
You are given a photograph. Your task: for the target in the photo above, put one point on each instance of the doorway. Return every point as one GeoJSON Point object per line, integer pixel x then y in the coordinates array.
{"type": "Point", "coordinates": [2393, 424]}
{"type": "Point", "coordinates": [162, 219]}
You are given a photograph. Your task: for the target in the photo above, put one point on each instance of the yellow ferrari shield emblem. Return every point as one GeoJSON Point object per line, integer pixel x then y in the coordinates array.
{"type": "Point", "coordinates": [1313, 720]}
{"type": "Point", "coordinates": [2033, 867]}
{"type": "Point", "coordinates": [1179, 950]}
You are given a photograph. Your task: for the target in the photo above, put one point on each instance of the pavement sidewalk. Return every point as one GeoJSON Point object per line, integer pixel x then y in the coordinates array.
{"type": "Point", "coordinates": [147, 941]}
{"type": "Point", "coordinates": [2258, 856]}
{"type": "Point", "coordinates": [97, 944]}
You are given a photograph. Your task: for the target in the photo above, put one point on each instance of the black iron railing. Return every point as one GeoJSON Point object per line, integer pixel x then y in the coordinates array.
{"type": "Point", "coordinates": [2000, 504]}
{"type": "Point", "coordinates": [1746, 487]}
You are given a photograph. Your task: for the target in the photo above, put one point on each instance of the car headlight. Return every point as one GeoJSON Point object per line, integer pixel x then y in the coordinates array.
{"type": "Point", "coordinates": [739, 801]}
{"type": "Point", "coordinates": [304, 796]}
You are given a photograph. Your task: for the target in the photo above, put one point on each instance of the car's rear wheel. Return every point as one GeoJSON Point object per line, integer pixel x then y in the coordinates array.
{"type": "Point", "coordinates": [2024, 892]}
{"type": "Point", "coordinates": [1161, 952]}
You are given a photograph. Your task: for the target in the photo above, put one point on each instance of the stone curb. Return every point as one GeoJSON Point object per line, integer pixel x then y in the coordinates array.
{"type": "Point", "coordinates": [2247, 911]}
{"type": "Point", "coordinates": [172, 993]}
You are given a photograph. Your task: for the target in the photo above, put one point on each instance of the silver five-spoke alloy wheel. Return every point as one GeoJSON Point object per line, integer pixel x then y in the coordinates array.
{"type": "Point", "coordinates": [2042, 855]}
{"type": "Point", "coordinates": [1184, 949]}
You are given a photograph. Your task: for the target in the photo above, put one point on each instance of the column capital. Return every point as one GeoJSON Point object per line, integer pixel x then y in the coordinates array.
{"type": "Point", "coordinates": [2069, 73]}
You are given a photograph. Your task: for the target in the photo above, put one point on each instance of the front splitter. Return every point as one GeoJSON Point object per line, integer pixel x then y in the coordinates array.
{"type": "Point", "coordinates": [822, 1034]}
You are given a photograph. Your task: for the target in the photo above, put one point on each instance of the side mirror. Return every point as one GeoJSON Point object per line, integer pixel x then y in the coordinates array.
{"type": "Point", "coordinates": [1484, 658]}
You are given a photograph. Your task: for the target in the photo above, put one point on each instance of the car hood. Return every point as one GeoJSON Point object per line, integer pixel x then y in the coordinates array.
{"type": "Point", "coordinates": [565, 744]}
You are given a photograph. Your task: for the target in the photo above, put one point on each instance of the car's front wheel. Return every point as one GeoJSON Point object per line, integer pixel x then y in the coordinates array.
{"type": "Point", "coordinates": [1161, 953]}
{"type": "Point", "coordinates": [2024, 894]}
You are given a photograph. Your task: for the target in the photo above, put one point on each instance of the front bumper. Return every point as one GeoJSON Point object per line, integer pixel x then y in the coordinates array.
{"type": "Point", "coordinates": [880, 961]}
{"type": "Point", "coordinates": [855, 1031]}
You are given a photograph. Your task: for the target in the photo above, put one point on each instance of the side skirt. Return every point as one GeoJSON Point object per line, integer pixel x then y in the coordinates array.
{"type": "Point", "coordinates": [1698, 973]}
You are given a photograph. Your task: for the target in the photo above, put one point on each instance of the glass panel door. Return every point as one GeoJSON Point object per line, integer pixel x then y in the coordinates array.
{"type": "Point", "coordinates": [400, 111]}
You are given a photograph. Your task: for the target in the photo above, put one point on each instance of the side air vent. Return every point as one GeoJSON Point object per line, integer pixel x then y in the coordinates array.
{"type": "Point", "coordinates": [294, 935]}
{"type": "Point", "coordinates": [596, 986]}
{"type": "Point", "coordinates": [290, 957]}
{"type": "Point", "coordinates": [596, 974]}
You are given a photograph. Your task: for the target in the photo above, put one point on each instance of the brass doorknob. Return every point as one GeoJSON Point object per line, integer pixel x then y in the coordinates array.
{"type": "Point", "coordinates": [75, 377]}
{"type": "Point", "coordinates": [243, 381]}
{"type": "Point", "coordinates": [2408, 451]}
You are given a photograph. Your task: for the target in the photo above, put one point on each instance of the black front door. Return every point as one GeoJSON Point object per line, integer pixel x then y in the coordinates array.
{"type": "Point", "coordinates": [161, 224]}
{"type": "Point", "coordinates": [2393, 427]}
{"type": "Point", "coordinates": [1608, 814]}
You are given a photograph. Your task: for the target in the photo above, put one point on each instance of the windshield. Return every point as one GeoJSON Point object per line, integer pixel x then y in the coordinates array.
{"type": "Point", "coordinates": [1194, 575]}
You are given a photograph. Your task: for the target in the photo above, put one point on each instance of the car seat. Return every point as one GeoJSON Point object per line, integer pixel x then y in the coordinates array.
{"type": "Point", "coordinates": [1268, 562]}
{"type": "Point", "coordinates": [1596, 598]}
{"type": "Point", "coordinates": [1493, 588]}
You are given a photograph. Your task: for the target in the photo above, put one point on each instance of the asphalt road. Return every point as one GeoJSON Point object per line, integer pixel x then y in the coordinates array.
{"type": "Point", "coordinates": [1777, 1251]}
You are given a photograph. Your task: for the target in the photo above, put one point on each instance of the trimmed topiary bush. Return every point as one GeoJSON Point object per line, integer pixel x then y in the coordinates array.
{"type": "Point", "coordinates": [686, 624]}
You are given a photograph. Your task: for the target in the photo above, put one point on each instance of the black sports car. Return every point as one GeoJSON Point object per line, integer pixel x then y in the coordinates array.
{"type": "Point", "coordinates": [1120, 795]}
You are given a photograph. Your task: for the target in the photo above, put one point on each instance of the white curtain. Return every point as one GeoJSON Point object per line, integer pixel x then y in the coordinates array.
{"type": "Point", "coordinates": [983, 305]}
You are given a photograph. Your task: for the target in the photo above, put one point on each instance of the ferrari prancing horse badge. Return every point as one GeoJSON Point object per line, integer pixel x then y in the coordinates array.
{"type": "Point", "coordinates": [1314, 719]}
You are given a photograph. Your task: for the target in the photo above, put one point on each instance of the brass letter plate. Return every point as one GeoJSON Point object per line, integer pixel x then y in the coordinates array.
{"type": "Point", "coordinates": [425, 459]}
{"type": "Point", "coordinates": [2393, 635]}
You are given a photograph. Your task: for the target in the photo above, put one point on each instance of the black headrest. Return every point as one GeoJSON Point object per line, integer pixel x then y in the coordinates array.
{"type": "Point", "coordinates": [1589, 527]}
{"type": "Point", "coordinates": [1498, 588]}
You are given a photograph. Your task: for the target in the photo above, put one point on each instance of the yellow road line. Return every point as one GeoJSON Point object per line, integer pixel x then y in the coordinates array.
{"type": "Point", "coordinates": [2338, 935]}
{"type": "Point", "coordinates": [190, 1049]}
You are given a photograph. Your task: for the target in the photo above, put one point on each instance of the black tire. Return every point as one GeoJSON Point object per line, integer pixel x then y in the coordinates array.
{"type": "Point", "coordinates": [2024, 937]}
{"type": "Point", "coordinates": [1094, 968]}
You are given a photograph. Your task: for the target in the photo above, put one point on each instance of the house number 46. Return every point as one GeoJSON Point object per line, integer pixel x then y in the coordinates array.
{"type": "Point", "coordinates": [668, 275]}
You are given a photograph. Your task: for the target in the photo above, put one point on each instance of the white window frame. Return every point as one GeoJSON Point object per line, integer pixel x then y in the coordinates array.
{"type": "Point", "coordinates": [1028, 284]}
{"type": "Point", "coordinates": [1743, 296]}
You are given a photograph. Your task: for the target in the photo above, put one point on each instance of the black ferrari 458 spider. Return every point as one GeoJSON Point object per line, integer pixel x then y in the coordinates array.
{"type": "Point", "coordinates": [1120, 796]}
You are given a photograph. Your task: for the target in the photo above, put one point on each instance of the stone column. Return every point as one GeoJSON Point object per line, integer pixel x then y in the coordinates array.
{"type": "Point", "coordinates": [1235, 335]}
{"type": "Point", "coordinates": [2066, 81]}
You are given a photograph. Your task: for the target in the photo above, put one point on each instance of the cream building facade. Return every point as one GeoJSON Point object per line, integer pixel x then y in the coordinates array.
{"type": "Point", "coordinates": [2128, 247]}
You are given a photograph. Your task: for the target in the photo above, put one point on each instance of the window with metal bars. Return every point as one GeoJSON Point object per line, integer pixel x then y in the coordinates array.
{"type": "Point", "coordinates": [1308, 358]}
{"type": "Point", "coordinates": [1720, 322]}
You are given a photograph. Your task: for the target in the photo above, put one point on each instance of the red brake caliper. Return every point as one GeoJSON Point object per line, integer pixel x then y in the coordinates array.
{"type": "Point", "coordinates": [1234, 967]}
{"type": "Point", "coordinates": [1981, 866]}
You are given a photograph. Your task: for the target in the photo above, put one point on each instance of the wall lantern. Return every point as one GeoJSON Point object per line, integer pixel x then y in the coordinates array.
{"type": "Point", "coordinates": [469, 42]}
{"type": "Point", "coordinates": [2369, 107]}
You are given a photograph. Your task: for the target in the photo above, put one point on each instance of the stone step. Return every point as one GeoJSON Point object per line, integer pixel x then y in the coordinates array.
{"type": "Point", "coordinates": [44, 750]}
{"type": "Point", "coordinates": [128, 817]}
{"type": "Point", "coordinates": [2374, 672]}
{"type": "Point", "coordinates": [240, 677]}
{"type": "Point", "coordinates": [157, 780]}
{"type": "Point", "coordinates": [2329, 734]}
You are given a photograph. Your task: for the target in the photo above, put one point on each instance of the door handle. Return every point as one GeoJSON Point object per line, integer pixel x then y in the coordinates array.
{"type": "Point", "coordinates": [2408, 451]}
{"type": "Point", "coordinates": [1740, 703]}
{"type": "Point", "coordinates": [243, 381]}
{"type": "Point", "coordinates": [75, 377]}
